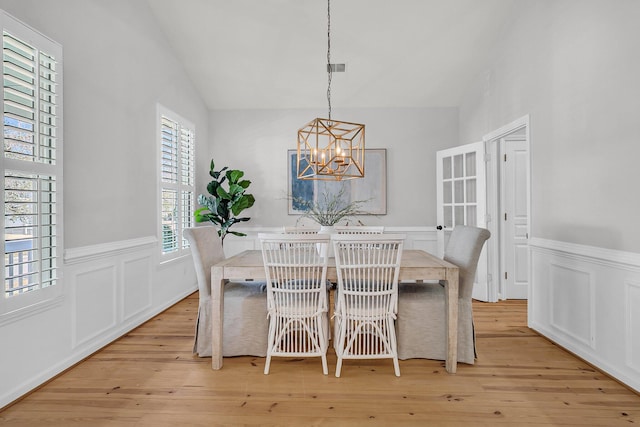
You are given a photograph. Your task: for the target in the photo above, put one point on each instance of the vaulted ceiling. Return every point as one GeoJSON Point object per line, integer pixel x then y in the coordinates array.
{"type": "Point", "coordinates": [255, 54]}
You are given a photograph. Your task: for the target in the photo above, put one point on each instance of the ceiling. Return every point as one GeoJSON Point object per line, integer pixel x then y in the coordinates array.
{"type": "Point", "coordinates": [267, 54]}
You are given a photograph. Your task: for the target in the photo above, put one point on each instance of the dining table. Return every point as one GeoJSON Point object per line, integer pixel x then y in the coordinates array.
{"type": "Point", "coordinates": [416, 265]}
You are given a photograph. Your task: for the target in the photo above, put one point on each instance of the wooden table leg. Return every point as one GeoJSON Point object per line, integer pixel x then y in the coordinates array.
{"type": "Point", "coordinates": [217, 315]}
{"type": "Point", "coordinates": [451, 285]}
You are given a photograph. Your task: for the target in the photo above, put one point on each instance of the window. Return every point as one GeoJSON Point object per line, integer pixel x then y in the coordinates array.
{"type": "Point", "coordinates": [31, 166]}
{"type": "Point", "coordinates": [177, 160]}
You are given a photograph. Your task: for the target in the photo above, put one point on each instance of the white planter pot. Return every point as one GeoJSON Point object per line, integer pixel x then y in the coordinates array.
{"type": "Point", "coordinates": [327, 229]}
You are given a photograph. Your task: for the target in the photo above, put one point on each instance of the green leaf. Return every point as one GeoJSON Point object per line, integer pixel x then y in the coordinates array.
{"type": "Point", "coordinates": [199, 216]}
{"type": "Point", "coordinates": [234, 175]}
{"type": "Point", "coordinates": [251, 200]}
{"type": "Point", "coordinates": [223, 212]}
{"type": "Point", "coordinates": [235, 189]}
{"type": "Point", "coordinates": [212, 187]}
{"type": "Point", "coordinates": [208, 202]}
{"type": "Point", "coordinates": [241, 204]}
{"type": "Point", "coordinates": [221, 192]}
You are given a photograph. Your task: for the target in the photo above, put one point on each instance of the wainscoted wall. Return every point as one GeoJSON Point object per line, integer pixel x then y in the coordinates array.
{"type": "Point", "coordinates": [116, 287]}
{"type": "Point", "coordinates": [424, 238]}
{"type": "Point", "coordinates": [109, 289]}
{"type": "Point", "coordinates": [587, 300]}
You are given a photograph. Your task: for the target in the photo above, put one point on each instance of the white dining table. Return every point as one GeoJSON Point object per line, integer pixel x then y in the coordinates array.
{"type": "Point", "coordinates": [416, 265]}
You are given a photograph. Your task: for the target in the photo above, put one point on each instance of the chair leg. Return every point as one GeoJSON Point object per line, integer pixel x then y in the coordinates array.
{"type": "Point", "coordinates": [267, 364]}
{"type": "Point", "coordinates": [338, 342]}
{"type": "Point", "coordinates": [396, 366]}
{"type": "Point", "coordinates": [394, 346]}
{"type": "Point", "coordinates": [272, 333]}
{"type": "Point", "coordinates": [323, 340]}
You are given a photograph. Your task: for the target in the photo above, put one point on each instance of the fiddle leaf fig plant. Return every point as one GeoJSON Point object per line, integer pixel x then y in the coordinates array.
{"type": "Point", "coordinates": [226, 200]}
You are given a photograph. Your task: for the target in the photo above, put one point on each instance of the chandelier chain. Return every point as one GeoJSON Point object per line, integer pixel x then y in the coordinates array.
{"type": "Point", "coordinates": [330, 150]}
{"type": "Point", "coordinates": [329, 70]}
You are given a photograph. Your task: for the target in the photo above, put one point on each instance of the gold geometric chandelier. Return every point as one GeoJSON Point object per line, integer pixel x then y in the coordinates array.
{"type": "Point", "coordinates": [329, 149]}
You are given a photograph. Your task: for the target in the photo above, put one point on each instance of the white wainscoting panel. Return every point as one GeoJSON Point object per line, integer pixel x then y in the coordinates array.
{"type": "Point", "coordinates": [136, 282]}
{"type": "Point", "coordinates": [587, 300]}
{"type": "Point", "coordinates": [113, 287]}
{"type": "Point", "coordinates": [572, 303]}
{"type": "Point", "coordinates": [632, 310]}
{"type": "Point", "coordinates": [94, 302]}
{"type": "Point", "coordinates": [107, 290]}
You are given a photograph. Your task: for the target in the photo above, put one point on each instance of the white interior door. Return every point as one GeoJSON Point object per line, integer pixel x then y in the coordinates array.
{"type": "Point", "coordinates": [515, 219]}
{"type": "Point", "coordinates": [508, 192]}
{"type": "Point", "coordinates": [461, 199]}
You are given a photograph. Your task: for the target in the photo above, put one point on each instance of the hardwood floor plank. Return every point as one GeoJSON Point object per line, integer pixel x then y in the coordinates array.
{"type": "Point", "coordinates": [150, 378]}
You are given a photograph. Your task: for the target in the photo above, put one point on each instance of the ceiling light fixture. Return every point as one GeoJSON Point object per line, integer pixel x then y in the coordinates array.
{"type": "Point", "coordinates": [329, 149]}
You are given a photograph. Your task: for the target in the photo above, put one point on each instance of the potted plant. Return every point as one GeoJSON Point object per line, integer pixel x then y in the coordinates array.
{"type": "Point", "coordinates": [225, 202]}
{"type": "Point", "coordinates": [330, 208]}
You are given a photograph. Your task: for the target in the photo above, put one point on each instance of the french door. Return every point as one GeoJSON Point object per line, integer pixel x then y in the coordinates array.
{"type": "Point", "coordinates": [461, 199]}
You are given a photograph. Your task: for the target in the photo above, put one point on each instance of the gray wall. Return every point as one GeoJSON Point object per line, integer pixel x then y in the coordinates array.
{"type": "Point", "coordinates": [117, 66]}
{"type": "Point", "coordinates": [256, 141]}
{"type": "Point", "coordinates": [574, 67]}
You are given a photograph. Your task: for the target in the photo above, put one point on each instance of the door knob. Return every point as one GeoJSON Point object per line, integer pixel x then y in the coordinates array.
{"type": "Point", "coordinates": [439, 227]}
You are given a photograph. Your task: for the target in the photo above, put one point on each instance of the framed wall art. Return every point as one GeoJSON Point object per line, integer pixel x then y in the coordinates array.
{"type": "Point", "coordinates": [372, 189]}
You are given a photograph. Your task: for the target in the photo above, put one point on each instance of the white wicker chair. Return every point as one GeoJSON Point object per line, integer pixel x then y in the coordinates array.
{"type": "Point", "coordinates": [359, 229]}
{"type": "Point", "coordinates": [296, 295]}
{"type": "Point", "coordinates": [301, 230]}
{"type": "Point", "coordinates": [367, 296]}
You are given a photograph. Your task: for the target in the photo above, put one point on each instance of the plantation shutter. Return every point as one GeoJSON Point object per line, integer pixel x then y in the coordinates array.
{"type": "Point", "coordinates": [31, 163]}
{"type": "Point", "coordinates": [177, 170]}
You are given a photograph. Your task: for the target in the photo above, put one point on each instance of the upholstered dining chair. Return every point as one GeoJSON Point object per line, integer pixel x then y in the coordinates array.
{"type": "Point", "coordinates": [297, 295]}
{"type": "Point", "coordinates": [245, 303]}
{"type": "Point", "coordinates": [368, 268]}
{"type": "Point", "coordinates": [421, 323]}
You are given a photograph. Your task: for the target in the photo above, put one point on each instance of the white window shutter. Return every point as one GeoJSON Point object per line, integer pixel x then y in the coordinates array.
{"type": "Point", "coordinates": [177, 181]}
{"type": "Point", "coordinates": [32, 166]}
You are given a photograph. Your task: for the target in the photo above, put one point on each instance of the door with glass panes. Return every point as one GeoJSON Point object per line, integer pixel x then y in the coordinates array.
{"type": "Point", "coordinates": [461, 199]}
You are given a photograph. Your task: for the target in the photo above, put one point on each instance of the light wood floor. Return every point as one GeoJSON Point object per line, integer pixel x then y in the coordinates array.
{"type": "Point", "coordinates": [150, 378]}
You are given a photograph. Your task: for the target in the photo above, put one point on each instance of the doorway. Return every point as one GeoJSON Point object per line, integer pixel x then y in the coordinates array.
{"type": "Point", "coordinates": [509, 210]}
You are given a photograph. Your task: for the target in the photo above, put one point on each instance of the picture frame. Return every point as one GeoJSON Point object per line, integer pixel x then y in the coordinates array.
{"type": "Point", "coordinates": [372, 189]}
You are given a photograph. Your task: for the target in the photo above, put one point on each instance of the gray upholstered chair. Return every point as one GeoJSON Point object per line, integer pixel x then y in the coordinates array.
{"type": "Point", "coordinates": [421, 323]}
{"type": "Point", "coordinates": [246, 326]}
